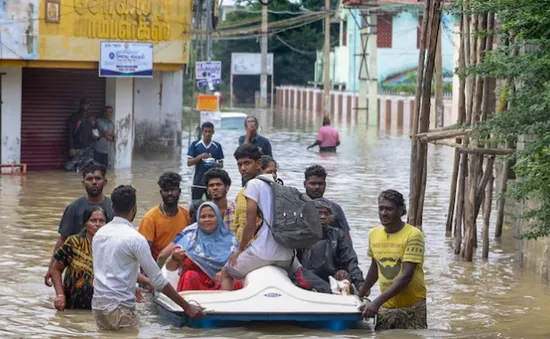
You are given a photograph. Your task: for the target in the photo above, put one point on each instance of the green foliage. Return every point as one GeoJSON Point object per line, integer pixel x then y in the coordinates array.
{"type": "Point", "coordinates": [290, 67]}
{"type": "Point", "coordinates": [529, 109]}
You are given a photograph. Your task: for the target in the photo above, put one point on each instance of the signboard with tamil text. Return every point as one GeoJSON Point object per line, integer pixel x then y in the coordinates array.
{"type": "Point", "coordinates": [208, 72]}
{"type": "Point", "coordinates": [126, 59]}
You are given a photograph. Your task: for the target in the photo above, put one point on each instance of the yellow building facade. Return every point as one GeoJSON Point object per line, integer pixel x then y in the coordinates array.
{"type": "Point", "coordinates": [50, 51]}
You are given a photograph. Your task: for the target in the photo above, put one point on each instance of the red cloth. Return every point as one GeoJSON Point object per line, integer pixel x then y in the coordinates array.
{"type": "Point", "coordinates": [194, 279]}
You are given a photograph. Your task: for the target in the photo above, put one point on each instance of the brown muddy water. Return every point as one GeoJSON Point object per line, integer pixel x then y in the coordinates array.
{"type": "Point", "coordinates": [484, 299]}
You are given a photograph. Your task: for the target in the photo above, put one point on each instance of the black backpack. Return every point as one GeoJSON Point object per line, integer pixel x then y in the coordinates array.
{"type": "Point", "coordinates": [295, 223]}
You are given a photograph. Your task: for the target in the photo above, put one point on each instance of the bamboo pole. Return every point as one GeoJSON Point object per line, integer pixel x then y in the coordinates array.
{"type": "Point", "coordinates": [424, 119]}
{"type": "Point", "coordinates": [415, 144]}
{"type": "Point", "coordinates": [431, 136]}
{"type": "Point", "coordinates": [452, 201]}
{"type": "Point", "coordinates": [463, 171]}
{"type": "Point", "coordinates": [475, 150]}
{"type": "Point", "coordinates": [487, 218]}
{"type": "Point", "coordinates": [503, 180]}
{"type": "Point", "coordinates": [439, 106]}
{"type": "Point", "coordinates": [501, 201]}
{"type": "Point", "coordinates": [470, 234]}
{"type": "Point", "coordinates": [460, 121]}
{"type": "Point", "coordinates": [459, 219]}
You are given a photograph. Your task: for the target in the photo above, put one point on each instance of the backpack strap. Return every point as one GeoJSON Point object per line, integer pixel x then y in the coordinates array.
{"type": "Point", "coordinates": [270, 183]}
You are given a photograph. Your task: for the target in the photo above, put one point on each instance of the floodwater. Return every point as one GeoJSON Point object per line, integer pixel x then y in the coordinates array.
{"type": "Point", "coordinates": [484, 299]}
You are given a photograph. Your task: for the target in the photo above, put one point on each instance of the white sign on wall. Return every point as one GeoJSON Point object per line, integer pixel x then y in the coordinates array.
{"type": "Point", "coordinates": [126, 59]}
{"type": "Point", "coordinates": [208, 70]}
{"type": "Point", "coordinates": [250, 63]}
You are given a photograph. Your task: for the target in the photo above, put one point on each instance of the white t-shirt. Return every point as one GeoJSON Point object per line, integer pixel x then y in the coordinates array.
{"type": "Point", "coordinates": [265, 246]}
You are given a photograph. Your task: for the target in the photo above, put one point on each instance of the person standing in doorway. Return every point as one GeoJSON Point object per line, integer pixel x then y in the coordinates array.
{"type": "Point", "coordinates": [397, 252]}
{"type": "Point", "coordinates": [252, 136]}
{"type": "Point", "coordinates": [327, 138]}
{"type": "Point", "coordinates": [163, 222]}
{"type": "Point", "coordinates": [81, 139]}
{"type": "Point", "coordinates": [118, 252]}
{"type": "Point", "coordinates": [93, 180]}
{"type": "Point", "coordinates": [203, 154]}
{"type": "Point", "coordinates": [315, 184]}
{"type": "Point", "coordinates": [106, 130]}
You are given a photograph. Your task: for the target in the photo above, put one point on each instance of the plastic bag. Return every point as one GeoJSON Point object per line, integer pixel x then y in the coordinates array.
{"type": "Point", "coordinates": [341, 287]}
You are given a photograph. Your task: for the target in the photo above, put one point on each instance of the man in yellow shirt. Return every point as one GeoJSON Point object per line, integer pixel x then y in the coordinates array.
{"type": "Point", "coordinates": [163, 222]}
{"type": "Point", "coordinates": [397, 252]}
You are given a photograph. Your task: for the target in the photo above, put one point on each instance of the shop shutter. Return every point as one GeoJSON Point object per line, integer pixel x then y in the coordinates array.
{"type": "Point", "coordinates": [49, 97]}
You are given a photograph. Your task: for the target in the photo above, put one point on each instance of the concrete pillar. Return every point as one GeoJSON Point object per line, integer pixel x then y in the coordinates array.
{"type": "Point", "coordinates": [388, 113]}
{"type": "Point", "coordinates": [119, 95]}
{"type": "Point", "coordinates": [11, 115]}
{"type": "Point", "coordinates": [400, 114]}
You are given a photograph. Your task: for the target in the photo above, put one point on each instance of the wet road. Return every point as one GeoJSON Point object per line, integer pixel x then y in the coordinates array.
{"type": "Point", "coordinates": [480, 300]}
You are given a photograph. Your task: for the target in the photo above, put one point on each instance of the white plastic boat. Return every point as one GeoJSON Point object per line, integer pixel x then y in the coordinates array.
{"type": "Point", "coordinates": [268, 295]}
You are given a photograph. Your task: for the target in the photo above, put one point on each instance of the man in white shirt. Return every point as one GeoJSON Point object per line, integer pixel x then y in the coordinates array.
{"type": "Point", "coordinates": [263, 249]}
{"type": "Point", "coordinates": [118, 251]}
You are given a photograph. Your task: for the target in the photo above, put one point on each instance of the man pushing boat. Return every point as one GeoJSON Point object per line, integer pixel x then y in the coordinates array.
{"type": "Point", "coordinates": [397, 252]}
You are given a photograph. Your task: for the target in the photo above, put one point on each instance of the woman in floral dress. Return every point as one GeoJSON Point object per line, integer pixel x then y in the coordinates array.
{"type": "Point", "coordinates": [75, 258]}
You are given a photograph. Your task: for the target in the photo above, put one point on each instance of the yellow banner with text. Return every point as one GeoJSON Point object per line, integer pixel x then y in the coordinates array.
{"type": "Point", "coordinates": [72, 29]}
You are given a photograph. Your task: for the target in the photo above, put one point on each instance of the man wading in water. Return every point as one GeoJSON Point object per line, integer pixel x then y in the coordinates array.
{"type": "Point", "coordinates": [93, 180]}
{"type": "Point", "coordinates": [118, 252]}
{"type": "Point", "coordinates": [397, 252]}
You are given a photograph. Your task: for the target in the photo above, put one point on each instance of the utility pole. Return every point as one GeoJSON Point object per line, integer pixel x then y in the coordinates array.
{"type": "Point", "coordinates": [209, 29]}
{"type": "Point", "coordinates": [263, 76]}
{"type": "Point", "coordinates": [326, 61]}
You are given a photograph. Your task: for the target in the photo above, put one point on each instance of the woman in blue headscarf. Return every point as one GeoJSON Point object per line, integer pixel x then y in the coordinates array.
{"type": "Point", "coordinates": [202, 250]}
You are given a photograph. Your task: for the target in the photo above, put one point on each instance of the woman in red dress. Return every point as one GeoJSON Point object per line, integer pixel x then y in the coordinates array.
{"type": "Point", "coordinates": [202, 250]}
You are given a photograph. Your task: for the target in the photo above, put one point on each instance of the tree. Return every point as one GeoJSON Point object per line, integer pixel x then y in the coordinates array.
{"type": "Point", "coordinates": [524, 62]}
{"type": "Point", "coordinates": [294, 49]}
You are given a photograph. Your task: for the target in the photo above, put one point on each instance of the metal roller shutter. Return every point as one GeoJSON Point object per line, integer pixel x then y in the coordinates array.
{"type": "Point", "coordinates": [49, 97]}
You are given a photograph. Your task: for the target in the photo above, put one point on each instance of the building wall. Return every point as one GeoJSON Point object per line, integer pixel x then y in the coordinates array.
{"type": "Point", "coordinates": [118, 94]}
{"type": "Point", "coordinates": [84, 23]}
{"type": "Point", "coordinates": [403, 56]}
{"type": "Point", "coordinates": [19, 29]}
{"type": "Point", "coordinates": [158, 111]}
{"type": "Point", "coordinates": [11, 114]}
{"type": "Point", "coordinates": [147, 111]}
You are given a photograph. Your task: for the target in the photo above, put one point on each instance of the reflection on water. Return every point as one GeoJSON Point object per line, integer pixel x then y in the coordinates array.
{"type": "Point", "coordinates": [479, 300]}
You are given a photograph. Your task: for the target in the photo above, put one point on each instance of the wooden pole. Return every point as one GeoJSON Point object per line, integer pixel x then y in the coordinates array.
{"type": "Point", "coordinates": [469, 240]}
{"type": "Point", "coordinates": [420, 175]}
{"type": "Point", "coordinates": [452, 201]}
{"type": "Point", "coordinates": [458, 157]}
{"type": "Point", "coordinates": [439, 106]}
{"type": "Point", "coordinates": [501, 201]}
{"type": "Point", "coordinates": [413, 200]}
{"type": "Point", "coordinates": [431, 136]}
{"type": "Point", "coordinates": [459, 218]}
{"type": "Point", "coordinates": [487, 217]}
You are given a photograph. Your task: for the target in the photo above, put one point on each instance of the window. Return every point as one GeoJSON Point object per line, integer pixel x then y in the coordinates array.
{"type": "Point", "coordinates": [384, 31]}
